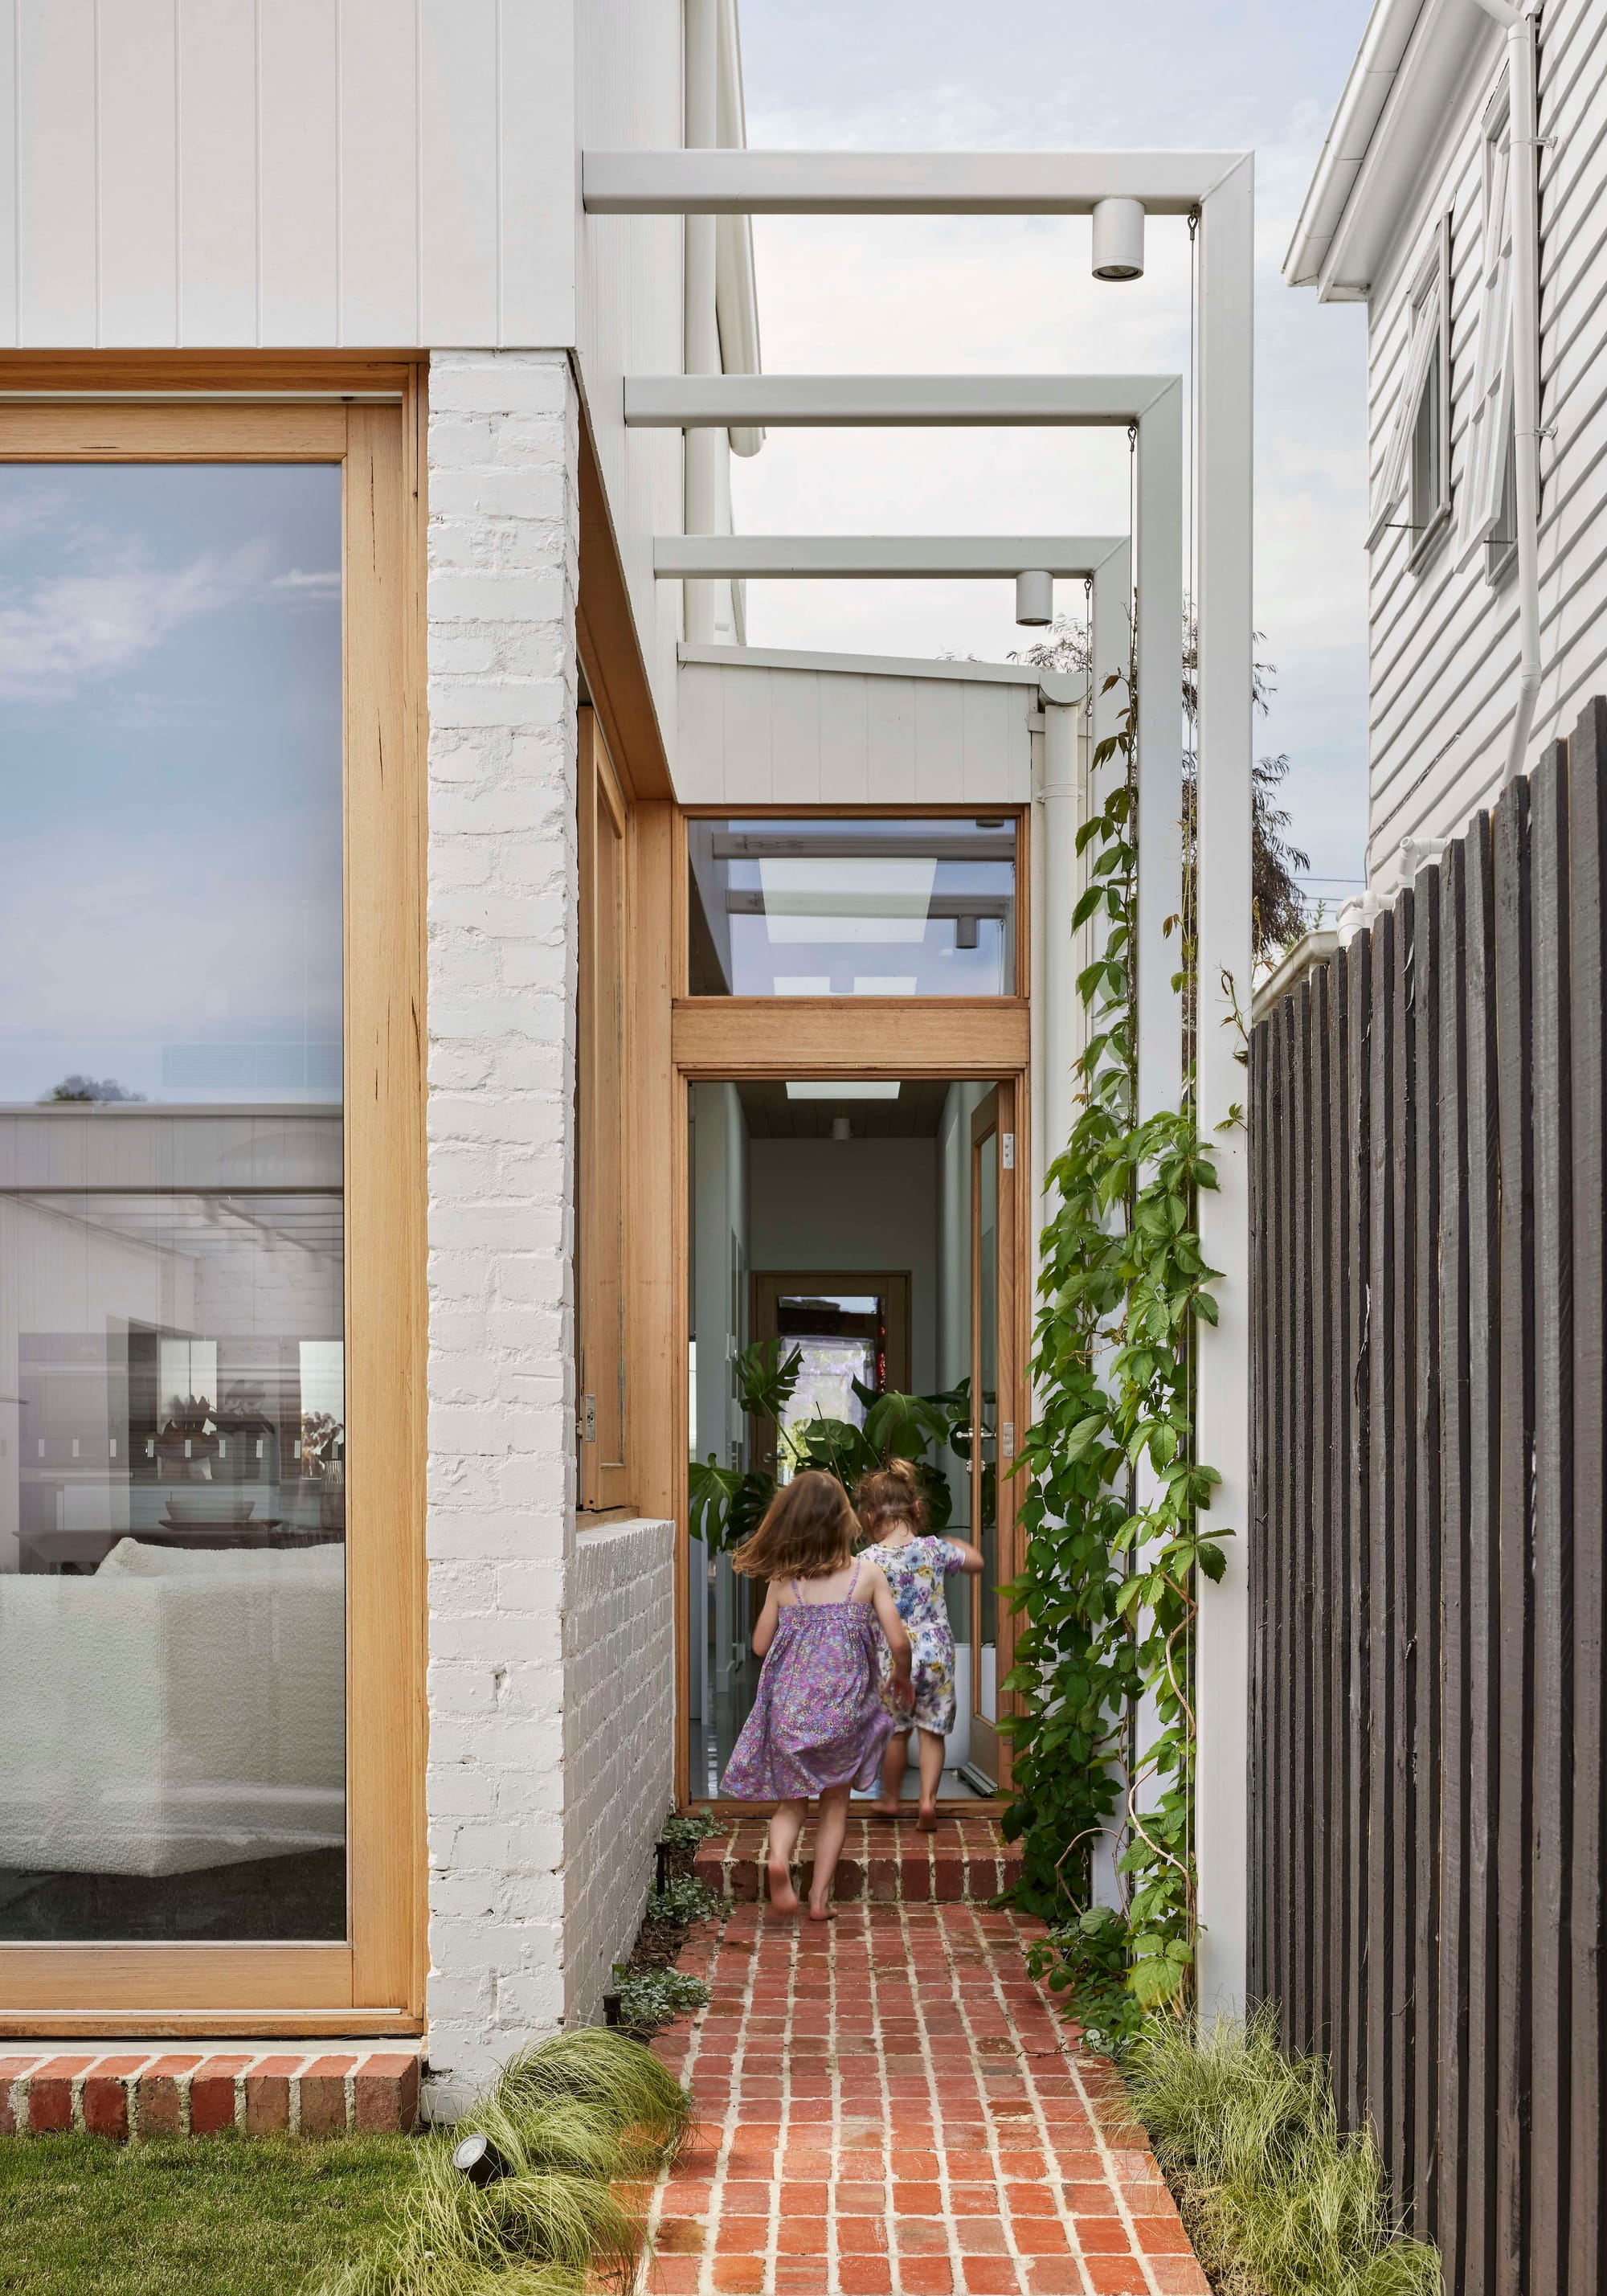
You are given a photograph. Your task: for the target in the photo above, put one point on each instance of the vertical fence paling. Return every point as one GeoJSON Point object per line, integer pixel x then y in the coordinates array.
{"type": "Point", "coordinates": [1429, 1599]}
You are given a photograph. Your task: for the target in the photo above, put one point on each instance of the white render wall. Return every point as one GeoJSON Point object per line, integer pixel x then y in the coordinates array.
{"type": "Point", "coordinates": [521, 1850]}
{"type": "Point", "coordinates": [1443, 643]}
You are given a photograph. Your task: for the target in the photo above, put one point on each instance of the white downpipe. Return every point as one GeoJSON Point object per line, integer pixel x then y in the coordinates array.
{"type": "Point", "coordinates": [1524, 122]}
{"type": "Point", "coordinates": [703, 448]}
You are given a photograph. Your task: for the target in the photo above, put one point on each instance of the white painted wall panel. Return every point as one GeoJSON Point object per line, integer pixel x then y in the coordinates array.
{"type": "Point", "coordinates": [299, 171]}
{"type": "Point", "coordinates": [751, 734]}
{"type": "Point", "coordinates": [53, 125]}
{"type": "Point", "coordinates": [379, 191]}
{"type": "Point", "coordinates": [139, 173]}
{"type": "Point", "coordinates": [8, 176]}
{"type": "Point", "coordinates": [1443, 642]}
{"type": "Point", "coordinates": [311, 173]}
{"type": "Point", "coordinates": [217, 172]}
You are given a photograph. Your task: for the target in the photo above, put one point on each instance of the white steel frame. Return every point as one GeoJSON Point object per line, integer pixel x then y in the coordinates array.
{"type": "Point", "coordinates": [1218, 187]}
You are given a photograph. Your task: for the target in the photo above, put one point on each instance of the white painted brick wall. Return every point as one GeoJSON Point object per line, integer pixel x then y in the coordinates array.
{"type": "Point", "coordinates": [550, 1666]}
{"type": "Point", "coordinates": [619, 1638]}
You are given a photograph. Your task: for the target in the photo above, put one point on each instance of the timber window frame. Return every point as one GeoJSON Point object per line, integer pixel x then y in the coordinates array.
{"type": "Point", "coordinates": [603, 1458]}
{"type": "Point", "coordinates": [1416, 470]}
{"type": "Point", "coordinates": [1488, 512]}
{"type": "Point", "coordinates": [291, 410]}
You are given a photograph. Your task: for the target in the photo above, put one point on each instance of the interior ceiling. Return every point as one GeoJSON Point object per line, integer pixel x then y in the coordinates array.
{"type": "Point", "coordinates": [914, 1115]}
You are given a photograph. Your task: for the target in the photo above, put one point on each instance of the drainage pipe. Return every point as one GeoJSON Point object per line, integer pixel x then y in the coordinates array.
{"type": "Point", "coordinates": [1523, 123]}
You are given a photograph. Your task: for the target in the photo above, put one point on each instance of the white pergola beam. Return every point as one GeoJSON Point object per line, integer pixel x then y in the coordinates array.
{"type": "Point", "coordinates": [895, 183]}
{"type": "Point", "coordinates": [894, 557]}
{"type": "Point", "coordinates": [825, 402]}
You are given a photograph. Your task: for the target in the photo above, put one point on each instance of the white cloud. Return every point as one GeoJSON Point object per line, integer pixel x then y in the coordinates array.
{"type": "Point", "coordinates": [322, 584]}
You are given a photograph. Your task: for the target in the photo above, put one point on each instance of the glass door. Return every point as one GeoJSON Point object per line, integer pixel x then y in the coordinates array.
{"type": "Point", "coordinates": [993, 1420]}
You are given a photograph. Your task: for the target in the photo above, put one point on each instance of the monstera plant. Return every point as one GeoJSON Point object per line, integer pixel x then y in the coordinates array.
{"type": "Point", "coordinates": [729, 1503]}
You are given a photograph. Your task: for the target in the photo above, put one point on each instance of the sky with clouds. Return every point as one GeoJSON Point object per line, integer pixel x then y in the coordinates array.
{"type": "Point", "coordinates": [954, 293]}
{"type": "Point", "coordinates": [170, 719]}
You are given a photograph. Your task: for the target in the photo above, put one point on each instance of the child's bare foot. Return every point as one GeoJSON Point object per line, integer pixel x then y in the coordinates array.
{"type": "Point", "coordinates": [783, 1897]}
{"type": "Point", "coordinates": [825, 1913]}
{"type": "Point", "coordinates": [884, 1809]}
{"type": "Point", "coordinates": [926, 1820]}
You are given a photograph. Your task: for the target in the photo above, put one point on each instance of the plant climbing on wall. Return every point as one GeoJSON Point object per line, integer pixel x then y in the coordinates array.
{"type": "Point", "coordinates": [1113, 1490]}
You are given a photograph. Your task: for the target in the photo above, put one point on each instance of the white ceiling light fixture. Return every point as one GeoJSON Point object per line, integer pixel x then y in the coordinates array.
{"type": "Point", "coordinates": [850, 1088]}
{"type": "Point", "coordinates": [1033, 601]}
{"type": "Point", "coordinates": [1118, 239]}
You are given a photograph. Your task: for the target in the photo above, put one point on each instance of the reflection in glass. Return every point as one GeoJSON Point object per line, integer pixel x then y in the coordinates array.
{"type": "Point", "coordinates": [852, 909]}
{"type": "Point", "coordinates": [985, 1447]}
{"type": "Point", "coordinates": [172, 1389]}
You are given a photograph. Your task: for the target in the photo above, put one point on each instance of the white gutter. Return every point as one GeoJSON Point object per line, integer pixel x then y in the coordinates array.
{"type": "Point", "coordinates": [1524, 124]}
{"type": "Point", "coordinates": [1384, 43]}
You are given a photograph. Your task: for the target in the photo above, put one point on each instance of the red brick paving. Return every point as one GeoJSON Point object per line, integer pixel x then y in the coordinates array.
{"type": "Point", "coordinates": [889, 2106]}
{"type": "Point", "coordinates": [151, 2093]}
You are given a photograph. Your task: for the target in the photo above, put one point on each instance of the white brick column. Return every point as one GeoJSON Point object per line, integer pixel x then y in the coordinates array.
{"type": "Point", "coordinates": [552, 1656]}
{"type": "Point", "coordinates": [503, 554]}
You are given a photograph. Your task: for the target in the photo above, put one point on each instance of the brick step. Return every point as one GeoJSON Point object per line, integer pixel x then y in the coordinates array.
{"type": "Point", "coordinates": [134, 2092]}
{"type": "Point", "coordinates": [887, 1863]}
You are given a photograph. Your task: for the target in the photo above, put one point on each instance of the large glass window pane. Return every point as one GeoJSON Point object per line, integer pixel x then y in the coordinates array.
{"type": "Point", "coordinates": [172, 1384]}
{"type": "Point", "coordinates": [852, 909]}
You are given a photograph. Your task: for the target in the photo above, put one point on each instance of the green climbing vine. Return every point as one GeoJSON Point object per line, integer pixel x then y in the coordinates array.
{"type": "Point", "coordinates": [1114, 1493]}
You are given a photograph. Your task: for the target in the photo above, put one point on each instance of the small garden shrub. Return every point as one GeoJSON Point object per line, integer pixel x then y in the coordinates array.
{"type": "Point", "coordinates": [1087, 1960]}
{"type": "Point", "coordinates": [683, 1834]}
{"type": "Point", "coordinates": [651, 1997]}
{"type": "Point", "coordinates": [573, 2120]}
{"type": "Point", "coordinates": [1277, 2202]}
{"type": "Point", "coordinates": [681, 1902]}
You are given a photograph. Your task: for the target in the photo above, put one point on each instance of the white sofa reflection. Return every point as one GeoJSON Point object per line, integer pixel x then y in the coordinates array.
{"type": "Point", "coordinates": [179, 1709]}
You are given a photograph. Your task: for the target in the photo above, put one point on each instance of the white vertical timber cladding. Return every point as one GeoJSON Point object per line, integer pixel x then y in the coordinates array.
{"type": "Point", "coordinates": [369, 174]}
{"type": "Point", "coordinates": [1226, 273]}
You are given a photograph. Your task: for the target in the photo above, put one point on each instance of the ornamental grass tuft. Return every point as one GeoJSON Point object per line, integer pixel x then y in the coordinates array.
{"type": "Point", "coordinates": [574, 2119]}
{"type": "Point", "coordinates": [1276, 2200]}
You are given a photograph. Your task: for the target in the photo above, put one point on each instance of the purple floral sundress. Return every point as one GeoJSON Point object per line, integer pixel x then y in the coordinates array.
{"type": "Point", "coordinates": [818, 1719]}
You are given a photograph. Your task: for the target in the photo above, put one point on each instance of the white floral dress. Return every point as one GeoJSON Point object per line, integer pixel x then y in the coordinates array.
{"type": "Point", "coordinates": [915, 1574]}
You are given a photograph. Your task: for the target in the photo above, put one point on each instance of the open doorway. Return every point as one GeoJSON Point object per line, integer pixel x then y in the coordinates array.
{"type": "Point", "coordinates": [857, 1236]}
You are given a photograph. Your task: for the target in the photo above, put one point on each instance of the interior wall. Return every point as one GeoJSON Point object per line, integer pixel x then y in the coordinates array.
{"type": "Point", "coordinates": [850, 1204]}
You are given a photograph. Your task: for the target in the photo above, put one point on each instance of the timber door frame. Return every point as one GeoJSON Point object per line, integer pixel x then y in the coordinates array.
{"type": "Point", "coordinates": [285, 410]}
{"type": "Point", "coordinates": [730, 1039]}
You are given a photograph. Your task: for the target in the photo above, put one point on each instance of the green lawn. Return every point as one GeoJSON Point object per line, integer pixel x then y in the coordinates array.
{"type": "Point", "coordinates": [216, 2217]}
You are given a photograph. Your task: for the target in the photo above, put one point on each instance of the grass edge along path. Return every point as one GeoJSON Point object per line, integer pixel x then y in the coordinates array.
{"type": "Point", "coordinates": [220, 2216]}
{"type": "Point", "coordinates": [1277, 2201]}
{"type": "Point", "coordinates": [582, 2124]}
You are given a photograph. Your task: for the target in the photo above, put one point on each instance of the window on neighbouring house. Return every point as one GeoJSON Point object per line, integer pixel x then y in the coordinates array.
{"type": "Point", "coordinates": [1487, 507]}
{"type": "Point", "coordinates": [600, 1088]}
{"type": "Point", "coordinates": [1414, 482]}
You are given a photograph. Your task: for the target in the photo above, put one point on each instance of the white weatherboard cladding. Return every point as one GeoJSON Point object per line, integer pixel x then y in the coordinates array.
{"type": "Point", "coordinates": [1443, 642]}
{"type": "Point", "coordinates": [311, 173]}
{"type": "Point", "coordinates": [763, 736]}
{"type": "Point", "coordinates": [550, 1661]}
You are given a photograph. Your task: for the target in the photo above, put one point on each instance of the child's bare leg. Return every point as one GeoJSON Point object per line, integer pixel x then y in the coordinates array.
{"type": "Point", "coordinates": [830, 1827]}
{"type": "Point", "coordinates": [933, 1747]}
{"type": "Point", "coordinates": [895, 1761]}
{"type": "Point", "coordinates": [785, 1826]}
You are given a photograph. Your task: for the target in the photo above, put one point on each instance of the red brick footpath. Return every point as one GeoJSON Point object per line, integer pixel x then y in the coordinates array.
{"type": "Point", "coordinates": [890, 1865]}
{"type": "Point", "coordinates": [137, 2092]}
{"type": "Point", "coordinates": [889, 2106]}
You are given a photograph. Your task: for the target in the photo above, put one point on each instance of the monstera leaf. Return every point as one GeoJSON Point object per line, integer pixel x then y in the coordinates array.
{"type": "Point", "coordinates": [726, 1504]}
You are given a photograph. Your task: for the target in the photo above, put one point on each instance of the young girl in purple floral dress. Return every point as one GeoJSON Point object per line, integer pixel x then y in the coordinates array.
{"type": "Point", "coordinates": [819, 1722]}
{"type": "Point", "coordinates": [893, 1507]}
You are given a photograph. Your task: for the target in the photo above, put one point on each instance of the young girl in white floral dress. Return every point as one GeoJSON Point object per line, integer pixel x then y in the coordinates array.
{"type": "Point", "coordinates": [893, 1507]}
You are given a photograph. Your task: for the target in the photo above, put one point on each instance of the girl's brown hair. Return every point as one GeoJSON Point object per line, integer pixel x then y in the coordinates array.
{"type": "Point", "coordinates": [890, 1494]}
{"type": "Point", "coordinates": [809, 1531]}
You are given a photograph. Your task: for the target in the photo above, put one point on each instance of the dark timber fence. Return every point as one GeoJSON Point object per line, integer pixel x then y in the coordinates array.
{"type": "Point", "coordinates": [1427, 1587]}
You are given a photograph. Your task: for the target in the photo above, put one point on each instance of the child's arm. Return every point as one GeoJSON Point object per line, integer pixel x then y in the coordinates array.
{"type": "Point", "coordinates": [971, 1557]}
{"type": "Point", "coordinates": [763, 1633]}
{"type": "Point", "coordinates": [893, 1630]}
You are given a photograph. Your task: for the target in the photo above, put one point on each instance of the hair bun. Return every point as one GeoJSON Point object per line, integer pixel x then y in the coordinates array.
{"type": "Point", "coordinates": [904, 1472]}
